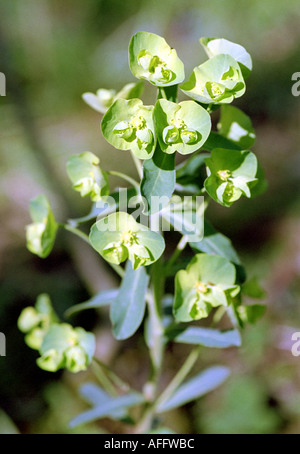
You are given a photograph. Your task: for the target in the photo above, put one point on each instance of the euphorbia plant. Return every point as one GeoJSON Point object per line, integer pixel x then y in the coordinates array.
{"type": "Point", "coordinates": [133, 241]}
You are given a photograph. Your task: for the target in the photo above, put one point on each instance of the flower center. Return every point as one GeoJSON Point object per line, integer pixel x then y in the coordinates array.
{"type": "Point", "coordinates": [201, 287]}
{"type": "Point", "coordinates": [155, 66]}
{"type": "Point", "coordinates": [214, 89]}
{"type": "Point", "coordinates": [224, 174]}
{"type": "Point", "coordinates": [128, 238]}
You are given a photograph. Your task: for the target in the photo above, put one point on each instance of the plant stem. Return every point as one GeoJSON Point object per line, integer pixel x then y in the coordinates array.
{"type": "Point", "coordinates": [179, 377]}
{"type": "Point", "coordinates": [103, 379]}
{"type": "Point", "coordinates": [124, 177]}
{"type": "Point", "coordinates": [138, 165]}
{"type": "Point", "coordinates": [179, 248]}
{"type": "Point", "coordinates": [114, 377]}
{"type": "Point", "coordinates": [76, 231]}
{"type": "Point", "coordinates": [156, 347]}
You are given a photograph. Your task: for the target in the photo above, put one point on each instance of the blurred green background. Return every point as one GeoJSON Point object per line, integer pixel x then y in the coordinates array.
{"type": "Point", "coordinates": [51, 52]}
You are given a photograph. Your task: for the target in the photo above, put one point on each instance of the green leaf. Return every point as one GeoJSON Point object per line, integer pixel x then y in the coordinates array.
{"type": "Point", "coordinates": [217, 81]}
{"type": "Point", "coordinates": [151, 58]}
{"type": "Point", "coordinates": [182, 127]}
{"type": "Point", "coordinates": [128, 309]}
{"type": "Point", "coordinates": [103, 298]}
{"type": "Point", "coordinates": [208, 337]}
{"type": "Point", "coordinates": [103, 99]}
{"type": "Point", "coordinates": [40, 235]}
{"type": "Point", "coordinates": [231, 174]}
{"type": "Point", "coordinates": [97, 397]}
{"type": "Point", "coordinates": [261, 184]}
{"type": "Point", "coordinates": [251, 314]}
{"type": "Point", "coordinates": [186, 215]}
{"type": "Point", "coordinates": [253, 289]}
{"type": "Point", "coordinates": [196, 387]}
{"type": "Point", "coordinates": [119, 237]}
{"type": "Point", "coordinates": [108, 408]}
{"type": "Point", "coordinates": [215, 140]}
{"type": "Point", "coordinates": [128, 125]}
{"type": "Point", "coordinates": [189, 173]}
{"type": "Point", "coordinates": [216, 46]}
{"type": "Point", "coordinates": [236, 126]}
{"type": "Point", "coordinates": [87, 177]}
{"type": "Point", "coordinates": [208, 281]}
{"type": "Point", "coordinates": [158, 181]}
{"type": "Point", "coordinates": [216, 243]}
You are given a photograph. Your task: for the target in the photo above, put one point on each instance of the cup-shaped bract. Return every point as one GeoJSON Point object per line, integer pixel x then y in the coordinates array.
{"type": "Point", "coordinates": [217, 81]}
{"type": "Point", "coordinates": [216, 46]}
{"type": "Point", "coordinates": [207, 282]}
{"type": "Point", "coordinates": [87, 177]}
{"type": "Point", "coordinates": [65, 346]}
{"type": "Point", "coordinates": [231, 174]}
{"type": "Point", "coordinates": [119, 237]}
{"type": "Point", "coordinates": [128, 125]}
{"type": "Point", "coordinates": [104, 98]}
{"type": "Point", "coordinates": [151, 58]}
{"type": "Point", "coordinates": [182, 127]}
{"type": "Point", "coordinates": [40, 235]}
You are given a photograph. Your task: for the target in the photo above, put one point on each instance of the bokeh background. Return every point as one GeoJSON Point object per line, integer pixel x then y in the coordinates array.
{"type": "Point", "coordinates": [51, 52]}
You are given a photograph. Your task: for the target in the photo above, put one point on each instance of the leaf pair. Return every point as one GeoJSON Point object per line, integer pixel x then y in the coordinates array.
{"type": "Point", "coordinates": [87, 177]}
{"type": "Point", "coordinates": [208, 281]}
{"type": "Point", "coordinates": [231, 174]}
{"type": "Point", "coordinates": [119, 237]}
{"type": "Point", "coordinates": [66, 347]}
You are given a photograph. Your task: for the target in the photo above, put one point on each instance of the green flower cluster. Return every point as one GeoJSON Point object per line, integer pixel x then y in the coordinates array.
{"type": "Point", "coordinates": [209, 281]}
{"type": "Point", "coordinates": [59, 344]}
{"type": "Point", "coordinates": [119, 237]}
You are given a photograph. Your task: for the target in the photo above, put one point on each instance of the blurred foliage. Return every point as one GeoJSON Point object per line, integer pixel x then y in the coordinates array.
{"type": "Point", "coordinates": [52, 52]}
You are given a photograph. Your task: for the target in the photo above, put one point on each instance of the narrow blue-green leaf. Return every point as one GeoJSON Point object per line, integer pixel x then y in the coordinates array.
{"type": "Point", "coordinates": [103, 298]}
{"type": "Point", "coordinates": [158, 181]}
{"type": "Point", "coordinates": [196, 387]}
{"type": "Point", "coordinates": [209, 337]}
{"type": "Point", "coordinates": [97, 397]}
{"type": "Point", "coordinates": [107, 408]}
{"type": "Point", "coordinates": [216, 243]}
{"type": "Point", "coordinates": [127, 310]}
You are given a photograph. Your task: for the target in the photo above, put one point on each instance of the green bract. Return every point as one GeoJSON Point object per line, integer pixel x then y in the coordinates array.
{"type": "Point", "coordinates": [119, 237]}
{"type": "Point", "coordinates": [35, 321]}
{"type": "Point", "coordinates": [103, 99]}
{"type": "Point", "coordinates": [217, 81]}
{"type": "Point", "coordinates": [216, 46]}
{"type": "Point", "coordinates": [65, 346]}
{"type": "Point", "coordinates": [40, 235]}
{"type": "Point", "coordinates": [182, 127]}
{"type": "Point", "coordinates": [231, 173]}
{"type": "Point", "coordinates": [128, 125]}
{"type": "Point", "coordinates": [87, 177]}
{"type": "Point", "coordinates": [208, 281]}
{"type": "Point", "coordinates": [151, 58]}
{"type": "Point", "coordinates": [236, 126]}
